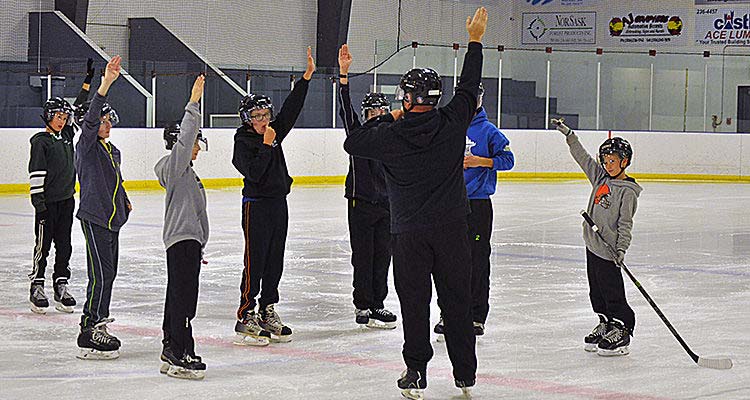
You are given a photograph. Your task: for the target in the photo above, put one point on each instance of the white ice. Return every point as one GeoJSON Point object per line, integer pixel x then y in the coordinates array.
{"type": "Point", "coordinates": [691, 251]}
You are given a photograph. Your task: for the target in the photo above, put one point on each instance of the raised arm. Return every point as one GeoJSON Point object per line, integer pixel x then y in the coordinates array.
{"type": "Point", "coordinates": [347, 113]}
{"type": "Point", "coordinates": [293, 104]}
{"type": "Point", "coordinates": [91, 122]}
{"type": "Point", "coordinates": [594, 172]}
{"type": "Point", "coordinates": [373, 139]}
{"type": "Point", "coordinates": [464, 102]}
{"type": "Point", "coordinates": [182, 152]}
{"type": "Point", "coordinates": [83, 95]}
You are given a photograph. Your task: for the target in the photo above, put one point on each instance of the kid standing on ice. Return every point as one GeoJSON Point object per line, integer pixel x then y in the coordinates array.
{"type": "Point", "coordinates": [612, 205]}
{"type": "Point", "coordinates": [185, 236]}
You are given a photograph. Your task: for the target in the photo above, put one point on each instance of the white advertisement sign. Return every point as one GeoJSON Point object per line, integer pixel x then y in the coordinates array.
{"type": "Point", "coordinates": [559, 28]}
{"type": "Point", "coordinates": [722, 26]}
{"type": "Point", "coordinates": [639, 28]}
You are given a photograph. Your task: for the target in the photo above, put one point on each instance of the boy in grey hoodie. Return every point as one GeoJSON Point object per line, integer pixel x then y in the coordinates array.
{"type": "Point", "coordinates": [185, 236]}
{"type": "Point", "coordinates": [612, 204]}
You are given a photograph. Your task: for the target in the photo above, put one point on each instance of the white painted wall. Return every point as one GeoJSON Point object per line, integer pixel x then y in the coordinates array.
{"type": "Point", "coordinates": [319, 152]}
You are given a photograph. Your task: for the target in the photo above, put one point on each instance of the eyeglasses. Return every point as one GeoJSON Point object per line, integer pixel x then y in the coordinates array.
{"type": "Point", "coordinates": [261, 117]}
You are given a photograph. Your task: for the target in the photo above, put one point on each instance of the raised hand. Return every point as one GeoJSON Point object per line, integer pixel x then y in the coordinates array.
{"type": "Point", "coordinates": [269, 136]}
{"type": "Point", "coordinates": [560, 125]}
{"type": "Point", "coordinates": [197, 92]}
{"type": "Point", "coordinates": [310, 65]}
{"type": "Point", "coordinates": [111, 73]}
{"type": "Point", "coordinates": [345, 59]}
{"type": "Point", "coordinates": [477, 25]}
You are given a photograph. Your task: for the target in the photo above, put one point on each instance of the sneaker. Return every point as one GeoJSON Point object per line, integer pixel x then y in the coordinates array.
{"type": "Point", "coordinates": [270, 321]}
{"type": "Point", "coordinates": [616, 341]}
{"type": "Point", "coordinates": [97, 344]}
{"type": "Point", "coordinates": [591, 341]}
{"type": "Point", "coordinates": [38, 299]}
{"type": "Point", "coordinates": [413, 383]}
{"type": "Point", "coordinates": [478, 328]}
{"type": "Point", "coordinates": [63, 299]}
{"type": "Point", "coordinates": [251, 332]}
{"type": "Point", "coordinates": [382, 318]}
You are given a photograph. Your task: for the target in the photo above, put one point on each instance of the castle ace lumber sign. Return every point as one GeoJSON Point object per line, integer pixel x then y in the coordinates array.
{"type": "Point", "coordinates": [722, 26]}
{"type": "Point", "coordinates": [646, 28]}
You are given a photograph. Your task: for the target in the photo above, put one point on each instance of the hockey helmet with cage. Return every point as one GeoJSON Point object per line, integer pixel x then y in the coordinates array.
{"type": "Point", "coordinates": [616, 145]}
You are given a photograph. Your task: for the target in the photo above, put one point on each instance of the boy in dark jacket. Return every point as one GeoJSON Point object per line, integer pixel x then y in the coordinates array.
{"type": "Point", "coordinates": [423, 157]}
{"type": "Point", "coordinates": [104, 209]}
{"type": "Point", "coordinates": [258, 156]}
{"type": "Point", "coordinates": [185, 236]}
{"type": "Point", "coordinates": [612, 204]}
{"type": "Point", "coordinates": [368, 214]}
{"type": "Point", "coordinates": [53, 180]}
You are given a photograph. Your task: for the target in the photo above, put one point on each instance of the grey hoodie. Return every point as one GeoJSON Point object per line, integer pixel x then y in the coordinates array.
{"type": "Point", "coordinates": [185, 216]}
{"type": "Point", "coordinates": [612, 204]}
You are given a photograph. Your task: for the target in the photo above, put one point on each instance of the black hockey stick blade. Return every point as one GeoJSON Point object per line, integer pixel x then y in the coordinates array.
{"type": "Point", "coordinates": [714, 363]}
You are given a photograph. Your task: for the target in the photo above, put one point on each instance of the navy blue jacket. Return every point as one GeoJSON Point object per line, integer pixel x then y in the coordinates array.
{"type": "Point", "coordinates": [366, 178]}
{"type": "Point", "coordinates": [423, 155]}
{"type": "Point", "coordinates": [485, 140]}
{"type": "Point", "coordinates": [103, 198]}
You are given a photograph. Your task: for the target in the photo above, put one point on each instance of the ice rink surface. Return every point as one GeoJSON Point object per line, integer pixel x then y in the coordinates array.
{"type": "Point", "coordinates": [691, 251]}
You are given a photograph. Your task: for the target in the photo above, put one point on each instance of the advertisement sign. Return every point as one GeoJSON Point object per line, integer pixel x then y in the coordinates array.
{"type": "Point", "coordinates": [563, 2]}
{"type": "Point", "coordinates": [722, 26]}
{"type": "Point", "coordinates": [559, 28]}
{"type": "Point", "coordinates": [719, 2]}
{"type": "Point", "coordinates": [646, 28]}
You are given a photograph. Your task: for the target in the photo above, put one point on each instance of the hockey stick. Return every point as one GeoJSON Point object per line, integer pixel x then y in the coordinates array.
{"type": "Point", "coordinates": [721, 363]}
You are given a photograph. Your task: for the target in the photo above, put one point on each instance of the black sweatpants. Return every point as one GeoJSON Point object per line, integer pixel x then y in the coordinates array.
{"type": "Point", "coordinates": [183, 269]}
{"type": "Point", "coordinates": [57, 227]}
{"type": "Point", "coordinates": [370, 238]}
{"type": "Point", "coordinates": [265, 223]}
{"type": "Point", "coordinates": [102, 246]}
{"type": "Point", "coordinates": [441, 253]}
{"type": "Point", "coordinates": [607, 290]}
{"type": "Point", "coordinates": [480, 232]}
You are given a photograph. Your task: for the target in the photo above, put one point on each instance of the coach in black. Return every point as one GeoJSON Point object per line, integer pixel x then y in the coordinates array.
{"type": "Point", "coordinates": [423, 154]}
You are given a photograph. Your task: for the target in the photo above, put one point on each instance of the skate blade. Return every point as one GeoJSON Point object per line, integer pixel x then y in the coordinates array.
{"type": "Point", "coordinates": [281, 338]}
{"type": "Point", "coordinates": [375, 324]}
{"type": "Point", "coordinates": [249, 340]}
{"type": "Point", "coordinates": [414, 394]}
{"type": "Point", "coordinates": [466, 392]}
{"type": "Point", "coordinates": [91, 354]}
{"type": "Point", "coordinates": [183, 373]}
{"type": "Point", "coordinates": [441, 338]}
{"type": "Point", "coordinates": [622, 351]}
{"type": "Point", "coordinates": [63, 308]}
{"type": "Point", "coordinates": [38, 310]}
{"type": "Point", "coordinates": [591, 347]}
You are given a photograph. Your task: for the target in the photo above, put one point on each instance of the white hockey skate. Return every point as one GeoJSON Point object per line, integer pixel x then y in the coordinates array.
{"type": "Point", "coordinates": [250, 333]}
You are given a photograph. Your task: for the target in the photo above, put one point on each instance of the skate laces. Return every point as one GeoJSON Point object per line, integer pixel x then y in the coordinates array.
{"type": "Point", "coordinates": [383, 312]}
{"type": "Point", "coordinates": [271, 317]}
{"type": "Point", "coordinates": [101, 327]}
{"type": "Point", "coordinates": [599, 330]}
{"type": "Point", "coordinates": [62, 291]}
{"type": "Point", "coordinates": [38, 292]}
{"type": "Point", "coordinates": [614, 334]}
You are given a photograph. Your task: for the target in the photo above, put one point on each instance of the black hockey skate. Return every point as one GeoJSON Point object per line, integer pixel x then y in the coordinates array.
{"type": "Point", "coordinates": [250, 331]}
{"type": "Point", "coordinates": [413, 383]}
{"type": "Point", "coordinates": [361, 316]}
{"type": "Point", "coordinates": [270, 321]}
{"type": "Point", "coordinates": [38, 299]}
{"type": "Point", "coordinates": [440, 330]}
{"type": "Point", "coordinates": [592, 340]}
{"type": "Point", "coordinates": [95, 343]}
{"type": "Point", "coordinates": [380, 318]}
{"type": "Point", "coordinates": [465, 385]}
{"type": "Point", "coordinates": [616, 341]}
{"type": "Point", "coordinates": [64, 302]}
{"type": "Point", "coordinates": [186, 367]}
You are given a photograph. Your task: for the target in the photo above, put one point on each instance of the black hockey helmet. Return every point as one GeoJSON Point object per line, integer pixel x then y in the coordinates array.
{"type": "Point", "coordinates": [373, 101]}
{"type": "Point", "coordinates": [172, 134]}
{"type": "Point", "coordinates": [424, 84]}
{"type": "Point", "coordinates": [254, 102]}
{"type": "Point", "coordinates": [107, 109]}
{"type": "Point", "coordinates": [55, 105]}
{"type": "Point", "coordinates": [616, 145]}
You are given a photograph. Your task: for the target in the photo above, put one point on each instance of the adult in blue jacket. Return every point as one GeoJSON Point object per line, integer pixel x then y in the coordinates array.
{"type": "Point", "coordinates": [487, 151]}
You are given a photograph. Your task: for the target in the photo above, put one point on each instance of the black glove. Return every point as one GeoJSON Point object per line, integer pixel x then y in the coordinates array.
{"type": "Point", "coordinates": [89, 70]}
